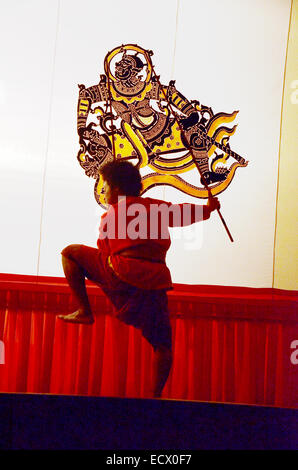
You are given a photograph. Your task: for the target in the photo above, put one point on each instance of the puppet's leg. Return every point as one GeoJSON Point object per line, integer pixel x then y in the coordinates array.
{"type": "Point", "coordinates": [162, 366]}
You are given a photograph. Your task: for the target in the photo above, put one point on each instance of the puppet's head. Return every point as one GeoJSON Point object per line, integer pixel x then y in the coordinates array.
{"type": "Point", "coordinates": [129, 66]}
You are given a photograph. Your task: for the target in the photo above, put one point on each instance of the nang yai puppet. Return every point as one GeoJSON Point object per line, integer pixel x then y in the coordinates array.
{"type": "Point", "coordinates": [127, 115]}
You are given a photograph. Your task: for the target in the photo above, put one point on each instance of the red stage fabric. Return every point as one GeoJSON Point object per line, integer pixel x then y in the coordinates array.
{"type": "Point", "coordinates": [230, 344]}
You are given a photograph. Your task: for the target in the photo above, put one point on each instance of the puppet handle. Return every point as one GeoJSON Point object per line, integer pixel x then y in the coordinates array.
{"type": "Point", "coordinates": [188, 147]}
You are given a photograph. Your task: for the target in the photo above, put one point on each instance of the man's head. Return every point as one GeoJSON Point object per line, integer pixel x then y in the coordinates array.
{"type": "Point", "coordinates": [120, 178]}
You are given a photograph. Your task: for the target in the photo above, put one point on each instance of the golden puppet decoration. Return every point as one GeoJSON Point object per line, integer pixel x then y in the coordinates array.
{"type": "Point", "coordinates": [140, 119]}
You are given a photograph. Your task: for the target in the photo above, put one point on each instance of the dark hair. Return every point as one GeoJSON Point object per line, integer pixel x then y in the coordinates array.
{"type": "Point", "coordinates": [124, 176]}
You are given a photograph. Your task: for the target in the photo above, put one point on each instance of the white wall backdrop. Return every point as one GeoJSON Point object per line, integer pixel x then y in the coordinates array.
{"type": "Point", "coordinates": [228, 54]}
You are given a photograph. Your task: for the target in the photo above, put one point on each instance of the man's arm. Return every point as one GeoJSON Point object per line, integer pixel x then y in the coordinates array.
{"type": "Point", "coordinates": [182, 215]}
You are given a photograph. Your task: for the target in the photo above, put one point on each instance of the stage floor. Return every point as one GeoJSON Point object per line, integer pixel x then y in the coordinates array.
{"type": "Point", "coordinates": [40, 421]}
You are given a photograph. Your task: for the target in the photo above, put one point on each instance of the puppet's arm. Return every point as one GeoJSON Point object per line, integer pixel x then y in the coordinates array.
{"type": "Point", "coordinates": [87, 97]}
{"type": "Point", "coordinates": [177, 100]}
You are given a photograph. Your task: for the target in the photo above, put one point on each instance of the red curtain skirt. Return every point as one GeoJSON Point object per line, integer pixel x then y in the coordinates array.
{"type": "Point", "coordinates": [233, 345]}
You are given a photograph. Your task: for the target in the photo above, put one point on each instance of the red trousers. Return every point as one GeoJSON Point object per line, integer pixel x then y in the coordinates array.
{"type": "Point", "coordinates": [144, 309]}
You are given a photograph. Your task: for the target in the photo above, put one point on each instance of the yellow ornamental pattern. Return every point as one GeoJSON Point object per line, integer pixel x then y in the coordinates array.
{"type": "Point", "coordinates": [140, 97]}
{"type": "Point", "coordinates": [83, 107]}
{"type": "Point", "coordinates": [123, 146]}
{"type": "Point", "coordinates": [146, 136]}
{"type": "Point", "coordinates": [152, 180]}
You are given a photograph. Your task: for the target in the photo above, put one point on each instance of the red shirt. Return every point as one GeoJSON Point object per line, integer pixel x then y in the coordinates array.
{"type": "Point", "coordinates": [142, 224]}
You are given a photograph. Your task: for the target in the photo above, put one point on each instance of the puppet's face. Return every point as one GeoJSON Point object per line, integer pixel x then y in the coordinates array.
{"type": "Point", "coordinates": [124, 68]}
{"type": "Point", "coordinates": [128, 67]}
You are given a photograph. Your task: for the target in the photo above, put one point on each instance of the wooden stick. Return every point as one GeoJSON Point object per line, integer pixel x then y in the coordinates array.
{"type": "Point", "coordinates": [112, 125]}
{"type": "Point", "coordinates": [189, 148]}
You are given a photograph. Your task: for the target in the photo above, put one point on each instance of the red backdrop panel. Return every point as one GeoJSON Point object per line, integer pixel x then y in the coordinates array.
{"type": "Point", "coordinates": [229, 344]}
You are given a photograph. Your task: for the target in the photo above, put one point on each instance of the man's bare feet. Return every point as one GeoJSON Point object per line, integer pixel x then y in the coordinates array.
{"type": "Point", "coordinates": [78, 317]}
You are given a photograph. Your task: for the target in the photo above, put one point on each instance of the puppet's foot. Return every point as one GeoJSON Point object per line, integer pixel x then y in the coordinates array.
{"type": "Point", "coordinates": [213, 177]}
{"type": "Point", "coordinates": [78, 317]}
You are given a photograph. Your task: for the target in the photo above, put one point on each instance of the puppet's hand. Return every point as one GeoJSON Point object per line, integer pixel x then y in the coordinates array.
{"type": "Point", "coordinates": [190, 121]}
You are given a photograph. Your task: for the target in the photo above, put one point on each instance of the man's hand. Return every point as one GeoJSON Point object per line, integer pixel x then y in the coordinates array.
{"type": "Point", "coordinates": [213, 204]}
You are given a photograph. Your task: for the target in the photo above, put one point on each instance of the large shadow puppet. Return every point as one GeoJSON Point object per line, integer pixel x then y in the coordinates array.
{"type": "Point", "coordinates": [135, 121]}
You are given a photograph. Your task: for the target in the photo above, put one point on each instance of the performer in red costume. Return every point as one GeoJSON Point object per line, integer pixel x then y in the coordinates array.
{"type": "Point", "coordinates": [130, 261]}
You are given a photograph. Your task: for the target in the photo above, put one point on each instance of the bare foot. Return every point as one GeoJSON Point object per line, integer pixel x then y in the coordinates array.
{"type": "Point", "coordinates": [78, 317]}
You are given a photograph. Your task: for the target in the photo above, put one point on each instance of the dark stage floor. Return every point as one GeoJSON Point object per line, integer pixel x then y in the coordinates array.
{"type": "Point", "coordinates": [33, 421]}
